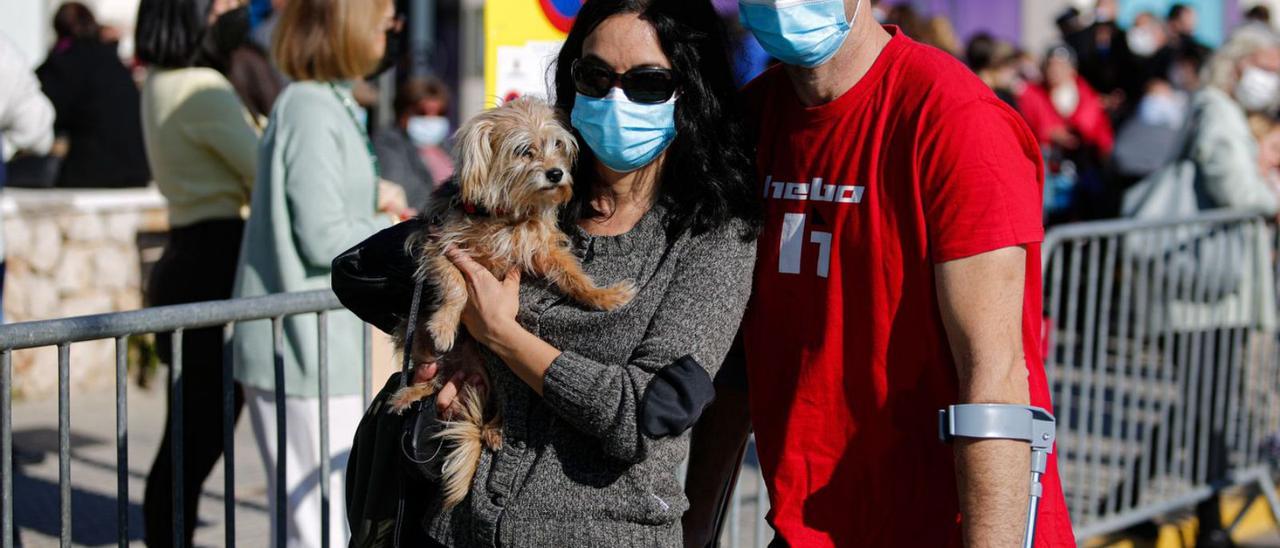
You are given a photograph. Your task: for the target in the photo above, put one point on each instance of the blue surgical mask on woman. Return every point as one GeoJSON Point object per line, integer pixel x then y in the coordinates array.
{"type": "Point", "coordinates": [427, 130]}
{"type": "Point", "coordinates": [804, 33]}
{"type": "Point", "coordinates": [624, 135]}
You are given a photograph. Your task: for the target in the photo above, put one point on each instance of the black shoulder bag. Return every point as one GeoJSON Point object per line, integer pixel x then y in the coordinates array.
{"type": "Point", "coordinates": [393, 470]}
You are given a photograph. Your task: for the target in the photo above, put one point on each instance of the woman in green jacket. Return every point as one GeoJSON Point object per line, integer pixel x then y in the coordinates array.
{"type": "Point", "coordinates": [318, 193]}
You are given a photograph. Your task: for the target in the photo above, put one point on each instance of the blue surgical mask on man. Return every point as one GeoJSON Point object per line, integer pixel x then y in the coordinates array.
{"type": "Point", "coordinates": [804, 33]}
{"type": "Point", "coordinates": [624, 135]}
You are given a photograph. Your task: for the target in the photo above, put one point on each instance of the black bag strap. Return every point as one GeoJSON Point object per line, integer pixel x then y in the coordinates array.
{"type": "Point", "coordinates": [406, 368]}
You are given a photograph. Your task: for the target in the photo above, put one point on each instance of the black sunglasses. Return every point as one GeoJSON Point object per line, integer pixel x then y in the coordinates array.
{"type": "Point", "coordinates": [649, 85]}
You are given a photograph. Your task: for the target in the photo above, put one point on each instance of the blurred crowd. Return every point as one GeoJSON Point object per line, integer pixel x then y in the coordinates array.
{"type": "Point", "coordinates": [1112, 105]}
{"type": "Point", "coordinates": [227, 110]}
{"type": "Point", "coordinates": [75, 121]}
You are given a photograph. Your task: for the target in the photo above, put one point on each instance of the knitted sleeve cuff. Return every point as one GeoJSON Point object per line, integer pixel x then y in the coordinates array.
{"type": "Point", "coordinates": [570, 383]}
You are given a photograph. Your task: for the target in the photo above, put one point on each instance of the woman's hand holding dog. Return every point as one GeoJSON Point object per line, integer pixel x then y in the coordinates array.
{"type": "Point", "coordinates": [492, 304]}
{"type": "Point", "coordinates": [448, 399]}
{"type": "Point", "coordinates": [490, 317]}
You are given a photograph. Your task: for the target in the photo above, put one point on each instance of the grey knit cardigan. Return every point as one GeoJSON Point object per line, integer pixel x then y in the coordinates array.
{"type": "Point", "coordinates": [578, 466]}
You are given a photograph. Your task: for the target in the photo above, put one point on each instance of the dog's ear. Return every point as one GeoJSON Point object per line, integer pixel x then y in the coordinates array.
{"type": "Point", "coordinates": [473, 152]}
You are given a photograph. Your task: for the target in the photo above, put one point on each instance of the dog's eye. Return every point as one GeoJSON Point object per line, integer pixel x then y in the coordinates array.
{"type": "Point", "coordinates": [526, 152]}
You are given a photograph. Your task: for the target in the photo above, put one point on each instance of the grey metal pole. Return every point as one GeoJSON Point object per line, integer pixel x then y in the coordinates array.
{"type": "Point", "coordinates": [1039, 461]}
{"type": "Point", "coordinates": [122, 442]}
{"type": "Point", "coordinates": [64, 444]}
{"type": "Point", "coordinates": [322, 352]}
{"type": "Point", "coordinates": [178, 431]}
{"type": "Point", "coordinates": [228, 435]}
{"type": "Point", "coordinates": [6, 449]}
{"type": "Point", "coordinates": [282, 441]}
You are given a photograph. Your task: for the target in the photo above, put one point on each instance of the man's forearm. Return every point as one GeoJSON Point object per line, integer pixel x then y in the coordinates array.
{"type": "Point", "coordinates": [993, 478]}
{"type": "Point", "coordinates": [714, 450]}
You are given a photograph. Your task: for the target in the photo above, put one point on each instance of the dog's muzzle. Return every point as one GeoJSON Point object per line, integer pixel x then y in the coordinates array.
{"type": "Point", "coordinates": [555, 175]}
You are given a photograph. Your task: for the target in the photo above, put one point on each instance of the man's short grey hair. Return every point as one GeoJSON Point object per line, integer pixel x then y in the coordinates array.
{"type": "Point", "coordinates": [1220, 71]}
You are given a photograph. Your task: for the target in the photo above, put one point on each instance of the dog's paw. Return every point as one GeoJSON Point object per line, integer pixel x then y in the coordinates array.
{"type": "Point", "coordinates": [443, 334]}
{"type": "Point", "coordinates": [613, 297]}
{"type": "Point", "coordinates": [405, 397]}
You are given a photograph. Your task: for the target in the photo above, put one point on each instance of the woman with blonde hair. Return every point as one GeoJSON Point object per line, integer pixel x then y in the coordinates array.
{"type": "Point", "coordinates": [318, 193]}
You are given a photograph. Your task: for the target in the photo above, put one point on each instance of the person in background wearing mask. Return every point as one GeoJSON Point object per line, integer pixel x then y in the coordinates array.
{"type": "Point", "coordinates": [898, 273]}
{"type": "Point", "coordinates": [412, 152]}
{"type": "Point", "coordinates": [1104, 59]}
{"type": "Point", "coordinates": [1241, 80]}
{"type": "Point", "coordinates": [1070, 122]}
{"type": "Point", "coordinates": [1146, 37]}
{"type": "Point", "coordinates": [203, 151]}
{"type": "Point", "coordinates": [317, 192]}
{"type": "Point", "coordinates": [97, 104]}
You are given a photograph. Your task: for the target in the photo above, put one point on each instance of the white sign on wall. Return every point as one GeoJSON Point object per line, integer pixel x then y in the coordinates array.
{"type": "Point", "coordinates": [526, 70]}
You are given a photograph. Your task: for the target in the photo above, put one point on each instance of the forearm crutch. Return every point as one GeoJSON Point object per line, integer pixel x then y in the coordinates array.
{"type": "Point", "coordinates": [1011, 422]}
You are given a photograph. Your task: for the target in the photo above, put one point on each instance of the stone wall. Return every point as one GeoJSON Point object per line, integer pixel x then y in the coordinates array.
{"type": "Point", "coordinates": [72, 253]}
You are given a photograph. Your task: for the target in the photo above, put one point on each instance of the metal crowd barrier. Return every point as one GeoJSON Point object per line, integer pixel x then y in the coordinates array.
{"type": "Point", "coordinates": [168, 319]}
{"type": "Point", "coordinates": [1162, 359]}
{"type": "Point", "coordinates": [1161, 348]}
{"type": "Point", "coordinates": [177, 320]}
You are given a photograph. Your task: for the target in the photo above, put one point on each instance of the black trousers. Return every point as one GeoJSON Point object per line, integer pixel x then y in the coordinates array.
{"type": "Point", "coordinates": [199, 264]}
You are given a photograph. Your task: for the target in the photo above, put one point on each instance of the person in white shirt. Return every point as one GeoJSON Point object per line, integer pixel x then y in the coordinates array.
{"type": "Point", "coordinates": [26, 118]}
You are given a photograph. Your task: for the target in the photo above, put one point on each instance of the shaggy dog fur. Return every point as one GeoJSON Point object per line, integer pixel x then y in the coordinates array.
{"type": "Point", "coordinates": [513, 175]}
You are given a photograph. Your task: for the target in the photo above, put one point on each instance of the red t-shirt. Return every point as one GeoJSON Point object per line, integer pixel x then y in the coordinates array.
{"type": "Point", "coordinates": [847, 358]}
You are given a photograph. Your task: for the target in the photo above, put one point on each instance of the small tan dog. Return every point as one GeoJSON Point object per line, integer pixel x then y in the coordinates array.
{"type": "Point", "coordinates": [513, 176]}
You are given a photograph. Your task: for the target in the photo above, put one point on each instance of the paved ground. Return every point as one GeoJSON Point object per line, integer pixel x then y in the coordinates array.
{"type": "Point", "coordinates": [93, 475]}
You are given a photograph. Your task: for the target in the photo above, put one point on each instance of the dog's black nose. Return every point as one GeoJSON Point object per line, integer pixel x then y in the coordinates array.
{"type": "Point", "coordinates": [555, 174]}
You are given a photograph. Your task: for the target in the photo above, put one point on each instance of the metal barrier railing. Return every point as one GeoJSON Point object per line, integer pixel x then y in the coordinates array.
{"type": "Point", "coordinates": [177, 320]}
{"type": "Point", "coordinates": [168, 319]}
{"type": "Point", "coordinates": [1161, 352]}
{"type": "Point", "coordinates": [1163, 363]}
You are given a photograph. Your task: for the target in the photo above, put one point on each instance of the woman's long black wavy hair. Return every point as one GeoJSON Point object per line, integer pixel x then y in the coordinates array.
{"type": "Point", "coordinates": [707, 179]}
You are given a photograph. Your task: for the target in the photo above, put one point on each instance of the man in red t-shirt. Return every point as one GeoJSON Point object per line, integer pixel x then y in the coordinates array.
{"type": "Point", "coordinates": [898, 273]}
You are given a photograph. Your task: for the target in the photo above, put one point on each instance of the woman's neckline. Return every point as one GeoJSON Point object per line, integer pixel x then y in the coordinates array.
{"type": "Point", "coordinates": [649, 223]}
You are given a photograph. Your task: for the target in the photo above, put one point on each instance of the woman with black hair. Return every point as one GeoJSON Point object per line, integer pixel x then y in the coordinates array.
{"type": "Point", "coordinates": [596, 404]}
{"type": "Point", "coordinates": [203, 151]}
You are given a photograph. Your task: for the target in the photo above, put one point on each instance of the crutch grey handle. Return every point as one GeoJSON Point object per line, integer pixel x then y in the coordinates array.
{"type": "Point", "coordinates": [1033, 425]}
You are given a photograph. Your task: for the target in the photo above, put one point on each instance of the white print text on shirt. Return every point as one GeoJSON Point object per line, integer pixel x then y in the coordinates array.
{"type": "Point", "coordinates": [813, 191]}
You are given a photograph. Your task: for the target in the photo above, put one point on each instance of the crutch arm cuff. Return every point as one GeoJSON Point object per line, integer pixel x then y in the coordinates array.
{"type": "Point", "coordinates": [998, 421]}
